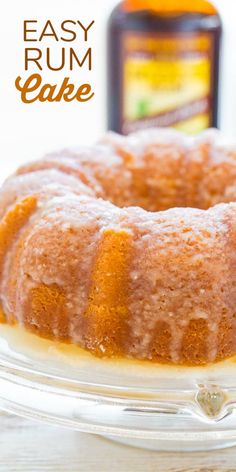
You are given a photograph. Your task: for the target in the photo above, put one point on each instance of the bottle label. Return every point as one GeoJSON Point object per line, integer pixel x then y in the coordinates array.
{"type": "Point", "coordinates": [167, 81]}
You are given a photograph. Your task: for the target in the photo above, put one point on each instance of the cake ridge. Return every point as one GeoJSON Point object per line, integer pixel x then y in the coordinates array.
{"type": "Point", "coordinates": [13, 222]}
{"type": "Point", "coordinates": [107, 310]}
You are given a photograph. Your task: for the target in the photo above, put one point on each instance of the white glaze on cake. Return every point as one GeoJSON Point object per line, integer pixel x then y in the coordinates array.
{"type": "Point", "coordinates": [173, 298]}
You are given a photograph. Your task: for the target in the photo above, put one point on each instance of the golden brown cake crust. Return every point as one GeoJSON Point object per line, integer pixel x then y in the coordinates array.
{"type": "Point", "coordinates": [126, 248]}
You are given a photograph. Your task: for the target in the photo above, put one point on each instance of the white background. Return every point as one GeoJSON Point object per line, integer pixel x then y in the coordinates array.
{"type": "Point", "coordinates": [27, 131]}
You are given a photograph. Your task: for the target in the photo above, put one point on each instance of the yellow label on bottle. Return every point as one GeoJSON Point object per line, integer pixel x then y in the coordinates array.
{"type": "Point", "coordinates": [167, 81]}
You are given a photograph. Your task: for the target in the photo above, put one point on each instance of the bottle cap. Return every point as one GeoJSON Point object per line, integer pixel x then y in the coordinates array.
{"type": "Point", "coordinates": [170, 6]}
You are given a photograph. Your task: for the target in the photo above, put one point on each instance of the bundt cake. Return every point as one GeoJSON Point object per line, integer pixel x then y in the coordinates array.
{"type": "Point", "coordinates": [127, 248]}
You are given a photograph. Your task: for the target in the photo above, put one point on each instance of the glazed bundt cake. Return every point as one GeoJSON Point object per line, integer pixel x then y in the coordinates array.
{"type": "Point", "coordinates": [127, 248]}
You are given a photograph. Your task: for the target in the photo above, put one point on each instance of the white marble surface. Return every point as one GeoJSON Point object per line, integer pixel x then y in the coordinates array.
{"type": "Point", "coordinates": [26, 446]}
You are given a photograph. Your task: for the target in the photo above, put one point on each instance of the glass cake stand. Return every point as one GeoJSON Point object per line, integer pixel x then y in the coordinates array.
{"type": "Point", "coordinates": [136, 403]}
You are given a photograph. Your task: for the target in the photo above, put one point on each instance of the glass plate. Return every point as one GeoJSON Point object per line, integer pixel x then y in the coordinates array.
{"type": "Point", "coordinates": [138, 403]}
